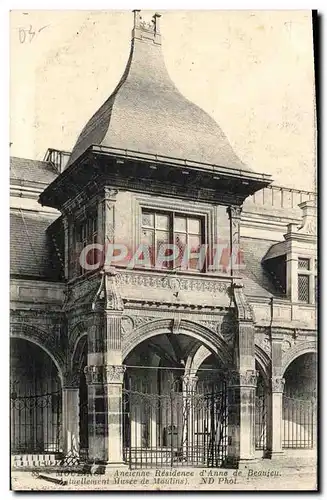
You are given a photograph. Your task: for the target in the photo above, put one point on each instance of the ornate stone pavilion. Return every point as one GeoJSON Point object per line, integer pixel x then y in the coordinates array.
{"type": "Point", "coordinates": [159, 367]}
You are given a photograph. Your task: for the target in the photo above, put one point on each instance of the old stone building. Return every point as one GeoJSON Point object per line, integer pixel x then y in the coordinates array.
{"type": "Point", "coordinates": [131, 364]}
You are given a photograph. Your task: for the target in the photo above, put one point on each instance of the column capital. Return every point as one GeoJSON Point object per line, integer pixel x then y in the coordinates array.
{"type": "Point", "coordinates": [189, 381]}
{"type": "Point", "coordinates": [277, 384]}
{"type": "Point", "coordinates": [234, 211]}
{"type": "Point", "coordinates": [94, 374]}
{"type": "Point", "coordinates": [114, 374]}
{"type": "Point", "coordinates": [71, 380]}
{"type": "Point", "coordinates": [243, 379]}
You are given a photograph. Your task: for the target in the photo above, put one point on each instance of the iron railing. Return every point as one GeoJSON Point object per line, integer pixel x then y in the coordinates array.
{"type": "Point", "coordinates": [299, 423]}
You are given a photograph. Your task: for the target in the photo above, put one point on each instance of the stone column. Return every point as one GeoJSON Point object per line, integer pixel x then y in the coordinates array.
{"type": "Point", "coordinates": [114, 386]}
{"type": "Point", "coordinates": [70, 421]}
{"type": "Point", "coordinates": [189, 388]}
{"type": "Point", "coordinates": [241, 416]}
{"type": "Point", "coordinates": [97, 426]}
{"type": "Point", "coordinates": [277, 385]}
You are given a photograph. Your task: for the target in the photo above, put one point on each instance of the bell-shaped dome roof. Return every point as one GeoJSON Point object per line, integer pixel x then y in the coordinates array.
{"type": "Point", "coordinates": [146, 112]}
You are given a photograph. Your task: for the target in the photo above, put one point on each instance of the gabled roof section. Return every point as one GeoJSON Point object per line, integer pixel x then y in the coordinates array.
{"type": "Point", "coordinates": [32, 253]}
{"type": "Point", "coordinates": [24, 170]}
{"type": "Point", "coordinates": [147, 113]}
{"type": "Point", "coordinates": [257, 280]}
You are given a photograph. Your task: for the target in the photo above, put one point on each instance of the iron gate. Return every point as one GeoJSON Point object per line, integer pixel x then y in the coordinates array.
{"type": "Point", "coordinates": [185, 426]}
{"type": "Point", "coordinates": [35, 423]}
{"type": "Point", "coordinates": [260, 422]}
{"type": "Point", "coordinates": [299, 422]}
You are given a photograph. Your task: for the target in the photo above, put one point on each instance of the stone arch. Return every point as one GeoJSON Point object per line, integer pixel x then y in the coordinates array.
{"type": "Point", "coordinates": [45, 340]}
{"type": "Point", "coordinates": [264, 361]}
{"type": "Point", "coordinates": [214, 342]}
{"type": "Point", "coordinates": [78, 330]}
{"type": "Point", "coordinates": [196, 359]}
{"type": "Point", "coordinates": [77, 352]}
{"type": "Point", "coordinates": [296, 351]}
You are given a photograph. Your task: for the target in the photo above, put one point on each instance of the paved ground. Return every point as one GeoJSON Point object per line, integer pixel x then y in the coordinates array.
{"type": "Point", "coordinates": [261, 476]}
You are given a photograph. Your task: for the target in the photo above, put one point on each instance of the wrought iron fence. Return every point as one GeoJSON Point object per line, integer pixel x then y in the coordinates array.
{"type": "Point", "coordinates": [185, 426]}
{"type": "Point", "coordinates": [299, 423]}
{"type": "Point", "coordinates": [261, 422]}
{"type": "Point", "coordinates": [35, 423]}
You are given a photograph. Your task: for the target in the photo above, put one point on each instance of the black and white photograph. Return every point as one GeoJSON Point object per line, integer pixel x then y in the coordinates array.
{"type": "Point", "coordinates": [163, 250]}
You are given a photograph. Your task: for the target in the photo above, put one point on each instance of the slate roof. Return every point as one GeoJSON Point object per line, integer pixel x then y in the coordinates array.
{"type": "Point", "coordinates": [257, 281]}
{"type": "Point", "coordinates": [23, 169]}
{"type": "Point", "coordinates": [31, 251]}
{"type": "Point", "coordinates": [146, 113]}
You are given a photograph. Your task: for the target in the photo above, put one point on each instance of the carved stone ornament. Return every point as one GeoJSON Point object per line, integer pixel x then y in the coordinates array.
{"type": "Point", "coordinates": [249, 378]}
{"type": "Point", "coordinates": [108, 295]}
{"type": "Point", "coordinates": [72, 380]}
{"type": "Point", "coordinates": [127, 325]}
{"type": "Point", "coordinates": [244, 310]}
{"type": "Point", "coordinates": [171, 283]}
{"type": "Point", "coordinates": [93, 374]}
{"type": "Point", "coordinates": [245, 379]}
{"type": "Point", "coordinates": [277, 384]}
{"type": "Point", "coordinates": [114, 374]}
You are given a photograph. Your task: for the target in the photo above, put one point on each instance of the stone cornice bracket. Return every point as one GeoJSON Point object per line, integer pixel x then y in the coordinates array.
{"type": "Point", "coordinates": [114, 374]}
{"type": "Point", "coordinates": [110, 194]}
{"type": "Point", "coordinates": [277, 384]}
{"type": "Point", "coordinates": [108, 294]}
{"type": "Point", "coordinates": [94, 374]}
{"type": "Point", "coordinates": [244, 311]}
{"type": "Point", "coordinates": [113, 300]}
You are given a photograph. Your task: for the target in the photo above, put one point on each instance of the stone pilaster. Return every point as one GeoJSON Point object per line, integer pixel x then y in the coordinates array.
{"type": "Point", "coordinates": [114, 378]}
{"type": "Point", "coordinates": [277, 388]}
{"type": "Point", "coordinates": [241, 416]}
{"type": "Point", "coordinates": [189, 390]}
{"type": "Point", "coordinates": [234, 213]}
{"type": "Point", "coordinates": [70, 421]}
{"type": "Point", "coordinates": [97, 417]}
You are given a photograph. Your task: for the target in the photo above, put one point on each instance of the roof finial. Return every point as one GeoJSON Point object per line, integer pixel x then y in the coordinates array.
{"type": "Point", "coordinates": [146, 30]}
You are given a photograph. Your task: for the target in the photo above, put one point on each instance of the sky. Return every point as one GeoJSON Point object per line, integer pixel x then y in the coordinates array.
{"type": "Point", "coordinates": [252, 71]}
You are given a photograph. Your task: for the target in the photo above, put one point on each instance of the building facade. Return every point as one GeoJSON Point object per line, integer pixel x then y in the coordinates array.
{"type": "Point", "coordinates": [122, 361]}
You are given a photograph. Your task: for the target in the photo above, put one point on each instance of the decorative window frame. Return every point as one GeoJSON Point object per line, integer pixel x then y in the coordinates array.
{"type": "Point", "coordinates": [312, 273]}
{"type": "Point", "coordinates": [202, 210]}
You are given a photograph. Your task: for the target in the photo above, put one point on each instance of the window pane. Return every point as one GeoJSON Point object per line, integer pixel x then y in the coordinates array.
{"type": "Point", "coordinates": [161, 237]}
{"type": "Point", "coordinates": [193, 226]}
{"type": "Point", "coordinates": [162, 222]}
{"type": "Point", "coordinates": [180, 242]}
{"type": "Point", "coordinates": [303, 263]}
{"type": "Point", "coordinates": [147, 219]}
{"type": "Point", "coordinates": [194, 247]}
{"type": "Point", "coordinates": [180, 224]}
{"type": "Point", "coordinates": [147, 237]}
{"type": "Point", "coordinates": [303, 288]}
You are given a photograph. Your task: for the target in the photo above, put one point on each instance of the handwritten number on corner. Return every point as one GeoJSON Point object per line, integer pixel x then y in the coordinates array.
{"type": "Point", "coordinates": [26, 34]}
